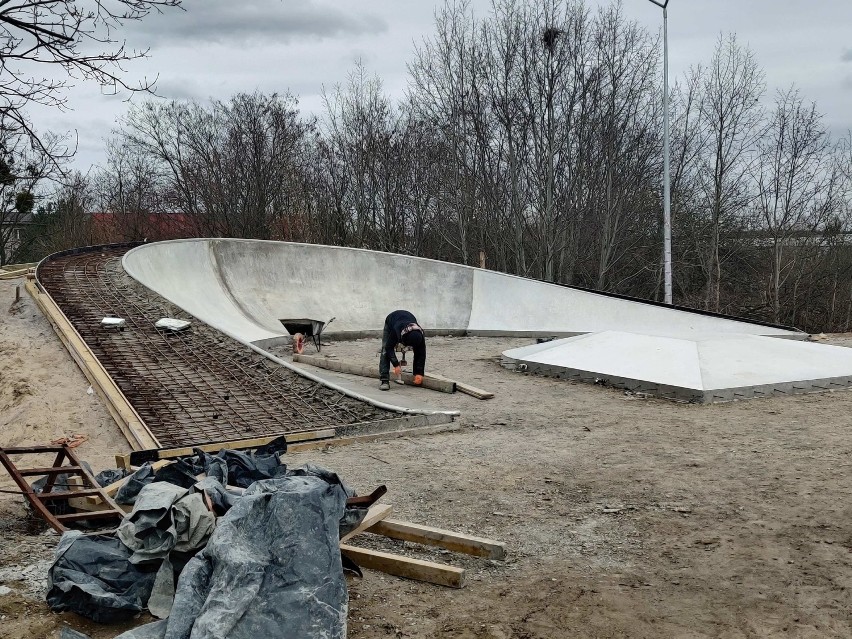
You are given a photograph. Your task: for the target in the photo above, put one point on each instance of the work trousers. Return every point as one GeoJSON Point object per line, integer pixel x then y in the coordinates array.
{"type": "Point", "coordinates": [384, 363]}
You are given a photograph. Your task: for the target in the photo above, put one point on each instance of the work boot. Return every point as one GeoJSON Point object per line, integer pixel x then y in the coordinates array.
{"type": "Point", "coordinates": [384, 385]}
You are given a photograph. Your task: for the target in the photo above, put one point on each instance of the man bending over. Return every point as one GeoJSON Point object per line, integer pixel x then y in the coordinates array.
{"type": "Point", "coordinates": [401, 327]}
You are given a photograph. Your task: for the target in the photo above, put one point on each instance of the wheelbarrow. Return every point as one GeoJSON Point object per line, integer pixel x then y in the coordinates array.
{"type": "Point", "coordinates": [308, 327]}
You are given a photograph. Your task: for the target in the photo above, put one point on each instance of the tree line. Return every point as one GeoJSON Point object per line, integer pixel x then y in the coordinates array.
{"type": "Point", "coordinates": [532, 135]}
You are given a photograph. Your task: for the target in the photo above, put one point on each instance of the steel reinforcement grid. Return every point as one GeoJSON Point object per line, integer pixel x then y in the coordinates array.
{"type": "Point", "coordinates": [194, 386]}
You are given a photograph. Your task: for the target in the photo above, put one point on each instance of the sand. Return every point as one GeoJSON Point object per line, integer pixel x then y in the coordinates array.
{"type": "Point", "coordinates": [623, 516]}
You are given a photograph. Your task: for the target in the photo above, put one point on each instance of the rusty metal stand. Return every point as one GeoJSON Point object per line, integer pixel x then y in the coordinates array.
{"type": "Point", "coordinates": [90, 487]}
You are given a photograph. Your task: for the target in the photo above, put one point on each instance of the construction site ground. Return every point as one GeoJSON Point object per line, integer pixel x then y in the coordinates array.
{"type": "Point", "coordinates": [623, 516]}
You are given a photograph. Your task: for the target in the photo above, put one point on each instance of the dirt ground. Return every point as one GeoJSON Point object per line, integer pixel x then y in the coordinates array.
{"type": "Point", "coordinates": [623, 516]}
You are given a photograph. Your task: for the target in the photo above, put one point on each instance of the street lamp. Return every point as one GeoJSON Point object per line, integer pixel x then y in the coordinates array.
{"type": "Point", "coordinates": [667, 204]}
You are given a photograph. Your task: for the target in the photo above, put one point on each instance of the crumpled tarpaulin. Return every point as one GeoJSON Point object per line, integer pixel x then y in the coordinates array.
{"type": "Point", "coordinates": [272, 568]}
{"type": "Point", "coordinates": [230, 467]}
{"type": "Point", "coordinates": [165, 518]}
{"type": "Point", "coordinates": [92, 575]}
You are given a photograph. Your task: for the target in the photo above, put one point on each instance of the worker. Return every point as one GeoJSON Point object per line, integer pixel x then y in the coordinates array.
{"type": "Point", "coordinates": [401, 327]}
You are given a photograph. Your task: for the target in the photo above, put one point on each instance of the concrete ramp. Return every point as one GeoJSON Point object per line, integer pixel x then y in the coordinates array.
{"type": "Point", "coordinates": [704, 369]}
{"type": "Point", "coordinates": [244, 287]}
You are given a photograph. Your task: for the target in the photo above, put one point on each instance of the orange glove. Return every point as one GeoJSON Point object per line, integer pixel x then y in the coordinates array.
{"type": "Point", "coordinates": [397, 370]}
{"type": "Point", "coordinates": [418, 380]}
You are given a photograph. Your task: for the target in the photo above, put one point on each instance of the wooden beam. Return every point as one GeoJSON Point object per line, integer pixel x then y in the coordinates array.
{"type": "Point", "coordinates": [113, 488]}
{"type": "Point", "coordinates": [441, 385]}
{"type": "Point", "coordinates": [374, 515]}
{"type": "Point", "coordinates": [12, 275]}
{"type": "Point", "coordinates": [139, 457]}
{"type": "Point", "coordinates": [359, 439]}
{"type": "Point", "coordinates": [128, 420]}
{"type": "Point", "coordinates": [457, 542]}
{"type": "Point", "coordinates": [428, 571]}
{"type": "Point", "coordinates": [467, 389]}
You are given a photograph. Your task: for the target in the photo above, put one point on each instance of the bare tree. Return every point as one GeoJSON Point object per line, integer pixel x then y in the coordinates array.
{"type": "Point", "coordinates": [796, 185]}
{"type": "Point", "coordinates": [233, 169]}
{"type": "Point", "coordinates": [129, 196]}
{"type": "Point", "coordinates": [733, 85]}
{"type": "Point", "coordinates": [24, 170]}
{"type": "Point", "coordinates": [46, 44]}
{"type": "Point", "coordinates": [62, 223]}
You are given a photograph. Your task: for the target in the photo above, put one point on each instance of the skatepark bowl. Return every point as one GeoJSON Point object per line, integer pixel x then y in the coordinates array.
{"type": "Point", "coordinates": [245, 288]}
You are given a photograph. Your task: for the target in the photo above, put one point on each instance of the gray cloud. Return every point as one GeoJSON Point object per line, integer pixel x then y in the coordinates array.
{"type": "Point", "coordinates": [847, 56]}
{"type": "Point", "coordinates": [182, 88]}
{"type": "Point", "coordinates": [254, 21]}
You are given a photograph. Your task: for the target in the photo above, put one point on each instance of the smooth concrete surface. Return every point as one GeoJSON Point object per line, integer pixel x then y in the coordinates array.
{"type": "Point", "coordinates": [244, 287]}
{"type": "Point", "coordinates": [403, 396]}
{"type": "Point", "coordinates": [705, 368]}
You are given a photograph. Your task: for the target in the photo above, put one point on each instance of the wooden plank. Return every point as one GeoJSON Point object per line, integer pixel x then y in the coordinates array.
{"type": "Point", "coordinates": [359, 439]}
{"type": "Point", "coordinates": [457, 542]}
{"type": "Point", "coordinates": [428, 571]}
{"type": "Point", "coordinates": [18, 267]}
{"type": "Point", "coordinates": [374, 515]}
{"type": "Point", "coordinates": [91, 504]}
{"type": "Point", "coordinates": [113, 488]}
{"type": "Point", "coordinates": [123, 461]}
{"type": "Point", "coordinates": [128, 420]}
{"type": "Point", "coordinates": [443, 386]}
{"type": "Point", "coordinates": [467, 389]}
{"type": "Point", "coordinates": [53, 470]}
{"type": "Point", "coordinates": [11, 275]}
{"type": "Point", "coordinates": [234, 444]}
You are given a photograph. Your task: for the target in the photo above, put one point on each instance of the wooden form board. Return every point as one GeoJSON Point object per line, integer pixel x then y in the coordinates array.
{"type": "Point", "coordinates": [360, 439]}
{"type": "Point", "coordinates": [113, 488]}
{"type": "Point", "coordinates": [457, 542]}
{"type": "Point", "coordinates": [122, 411]}
{"type": "Point", "coordinates": [400, 566]}
{"type": "Point", "coordinates": [467, 389]}
{"type": "Point", "coordinates": [12, 275]}
{"type": "Point", "coordinates": [441, 385]}
{"type": "Point", "coordinates": [140, 457]}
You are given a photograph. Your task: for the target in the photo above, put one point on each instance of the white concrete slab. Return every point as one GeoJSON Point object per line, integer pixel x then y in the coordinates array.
{"type": "Point", "coordinates": [707, 368]}
{"type": "Point", "coordinates": [660, 360]}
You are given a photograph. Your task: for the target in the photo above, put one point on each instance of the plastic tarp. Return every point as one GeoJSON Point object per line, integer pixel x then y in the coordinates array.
{"type": "Point", "coordinates": [230, 467]}
{"type": "Point", "coordinates": [272, 568]}
{"type": "Point", "coordinates": [93, 576]}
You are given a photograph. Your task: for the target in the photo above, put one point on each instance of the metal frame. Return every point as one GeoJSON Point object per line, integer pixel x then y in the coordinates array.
{"type": "Point", "coordinates": [111, 510]}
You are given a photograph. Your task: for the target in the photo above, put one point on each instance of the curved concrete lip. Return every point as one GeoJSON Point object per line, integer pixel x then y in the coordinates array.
{"type": "Point", "coordinates": [245, 288]}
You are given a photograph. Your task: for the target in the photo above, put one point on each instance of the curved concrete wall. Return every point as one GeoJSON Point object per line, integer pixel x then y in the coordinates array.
{"type": "Point", "coordinates": [243, 287]}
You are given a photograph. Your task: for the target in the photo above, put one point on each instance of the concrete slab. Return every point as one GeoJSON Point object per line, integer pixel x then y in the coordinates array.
{"type": "Point", "coordinates": [707, 368]}
{"type": "Point", "coordinates": [402, 396]}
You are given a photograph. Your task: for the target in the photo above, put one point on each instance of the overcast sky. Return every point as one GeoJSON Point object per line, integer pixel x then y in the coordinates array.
{"type": "Point", "coordinates": [218, 47]}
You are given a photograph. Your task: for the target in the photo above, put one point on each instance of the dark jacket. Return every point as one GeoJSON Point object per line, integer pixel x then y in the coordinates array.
{"type": "Point", "coordinates": [399, 328]}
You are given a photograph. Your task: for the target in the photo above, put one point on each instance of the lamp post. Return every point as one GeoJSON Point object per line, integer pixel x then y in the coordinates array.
{"type": "Point", "coordinates": [667, 204]}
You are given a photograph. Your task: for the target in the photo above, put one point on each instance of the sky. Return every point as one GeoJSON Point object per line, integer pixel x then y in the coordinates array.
{"type": "Point", "coordinates": [216, 48]}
